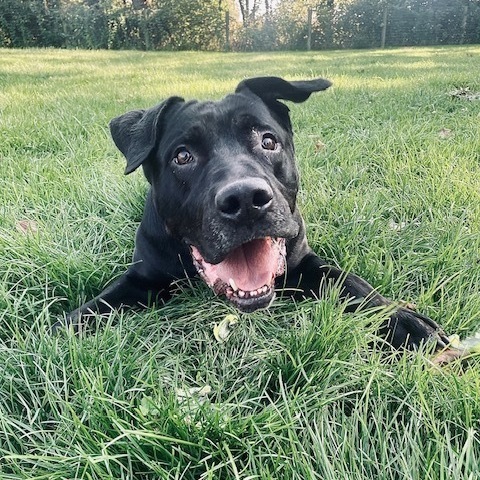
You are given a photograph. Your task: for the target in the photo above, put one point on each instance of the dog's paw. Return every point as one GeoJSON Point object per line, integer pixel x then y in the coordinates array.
{"type": "Point", "coordinates": [74, 322]}
{"type": "Point", "coordinates": [409, 329]}
{"type": "Point", "coordinates": [64, 324]}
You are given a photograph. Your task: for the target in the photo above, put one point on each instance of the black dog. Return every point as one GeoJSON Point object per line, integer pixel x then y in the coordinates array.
{"type": "Point", "coordinates": [222, 204]}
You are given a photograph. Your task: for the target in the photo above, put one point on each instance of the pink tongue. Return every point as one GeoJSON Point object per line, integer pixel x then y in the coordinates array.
{"type": "Point", "coordinates": [251, 265]}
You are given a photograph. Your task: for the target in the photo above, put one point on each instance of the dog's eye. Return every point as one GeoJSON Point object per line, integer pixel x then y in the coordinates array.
{"type": "Point", "coordinates": [183, 157]}
{"type": "Point", "coordinates": [269, 142]}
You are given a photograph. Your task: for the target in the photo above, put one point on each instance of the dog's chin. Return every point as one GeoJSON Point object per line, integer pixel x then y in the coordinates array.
{"type": "Point", "coordinates": [246, 276]}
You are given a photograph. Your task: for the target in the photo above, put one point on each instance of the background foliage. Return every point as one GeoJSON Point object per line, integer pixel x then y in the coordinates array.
{"type": "Point", "coordinates": [252, 24]}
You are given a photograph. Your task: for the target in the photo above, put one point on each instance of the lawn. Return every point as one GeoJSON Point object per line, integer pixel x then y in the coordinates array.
{"type": "Point", "coordinates": [390, 164]}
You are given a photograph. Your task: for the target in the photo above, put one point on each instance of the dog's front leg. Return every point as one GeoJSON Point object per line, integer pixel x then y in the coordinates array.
{"type": "Point", "coordinates": [404, 329]}
{"type": "Point", "coordinates": [124, 293]}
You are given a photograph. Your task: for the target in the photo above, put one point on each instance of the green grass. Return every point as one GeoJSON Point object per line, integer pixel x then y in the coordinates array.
{"type": "Point", "coordinates": [296, 392]}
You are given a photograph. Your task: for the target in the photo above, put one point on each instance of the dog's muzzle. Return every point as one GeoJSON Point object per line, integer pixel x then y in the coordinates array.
{"type": "Point", "coordinates": [247, 274]}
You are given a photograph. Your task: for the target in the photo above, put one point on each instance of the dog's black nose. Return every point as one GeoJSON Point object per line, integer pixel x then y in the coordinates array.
{"type": "Point", "coordinates": [244, 200]}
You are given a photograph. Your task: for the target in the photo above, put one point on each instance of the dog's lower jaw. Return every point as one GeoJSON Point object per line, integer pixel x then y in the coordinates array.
{"type": "Point", "coordinates": [248, 302]}
{"type": "Point", "coordinates": [247, 275]}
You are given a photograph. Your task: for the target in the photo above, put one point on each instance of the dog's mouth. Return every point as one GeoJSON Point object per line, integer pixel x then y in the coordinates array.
{"type": "Point", "coordinates": [246, 276]}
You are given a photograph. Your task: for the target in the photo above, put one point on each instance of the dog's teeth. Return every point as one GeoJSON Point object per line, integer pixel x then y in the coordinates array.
{"type": "Point", "coordinates": [233, 290]}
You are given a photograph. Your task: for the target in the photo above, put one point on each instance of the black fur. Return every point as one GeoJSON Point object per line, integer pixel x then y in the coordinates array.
{"type": "Point", "coordinates": [230, 191]}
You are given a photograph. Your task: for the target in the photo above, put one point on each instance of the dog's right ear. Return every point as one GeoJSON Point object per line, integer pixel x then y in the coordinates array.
{"type": "Point", "coordinates": [137, 133]}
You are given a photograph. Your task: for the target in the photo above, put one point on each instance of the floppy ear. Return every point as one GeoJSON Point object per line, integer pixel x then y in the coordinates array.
{"type": "Point", "coordinates": [272, 89]}
{"type": "Point", "coordinates": [136, 133]}
{"type": "Point", "coordinates": [275, 88]}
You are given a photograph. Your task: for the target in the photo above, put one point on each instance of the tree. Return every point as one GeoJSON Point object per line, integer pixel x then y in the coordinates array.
{"type": "Point", "coordinates": [248, 10]}
{"type": "Point", "coordinates": [264, 24]}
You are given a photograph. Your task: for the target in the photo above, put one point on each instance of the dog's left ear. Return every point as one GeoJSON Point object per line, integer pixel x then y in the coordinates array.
{"type": "Point", "coordinates": [275, 88]}
{"type": "Point", "coordinates": [272, 89]}
{"type": "Point", "coordinates": [136, 133]}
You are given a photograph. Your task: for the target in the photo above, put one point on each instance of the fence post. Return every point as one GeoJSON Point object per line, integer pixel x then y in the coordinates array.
{"type": "Point", "coordinates": [384, 26]}
{"type": "Point", "coordinates": [463, 27]}
{"type": "Point", "coordinates": [227, 31]}
{"type": "Point", "coordinates": [144, 14]}
{"type": "Point", "coordinates": [309, 29]}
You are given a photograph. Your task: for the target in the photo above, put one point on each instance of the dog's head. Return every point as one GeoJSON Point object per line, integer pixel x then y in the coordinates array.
{"type": "Point", "coordinates": [224, 180]}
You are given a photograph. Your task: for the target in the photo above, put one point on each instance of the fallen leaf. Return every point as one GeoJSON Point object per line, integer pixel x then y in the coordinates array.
{"type": "Point", "coordinates": [190, 401]}
{"type": "Point", "coordinates": [464, 93]}
{"type": "Point", "coordinates": [26, 227]}
{"type": "Point", "coordinates": [445, 133]}
{"type": "Point", "coordinates": [447, 356]}
{"type": "Point", "coordinates": [409, 305]}
{"type": "Point", "coordinates": [199, 393]}
{"type": "Point", "coordinates": [222, 331]}
{"type": "Point", "coordinates": [396, 227]}
{"type": "Point", "coordinates": [458, 349]}
{"type": "Point", "coordinates": [319, 145]}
